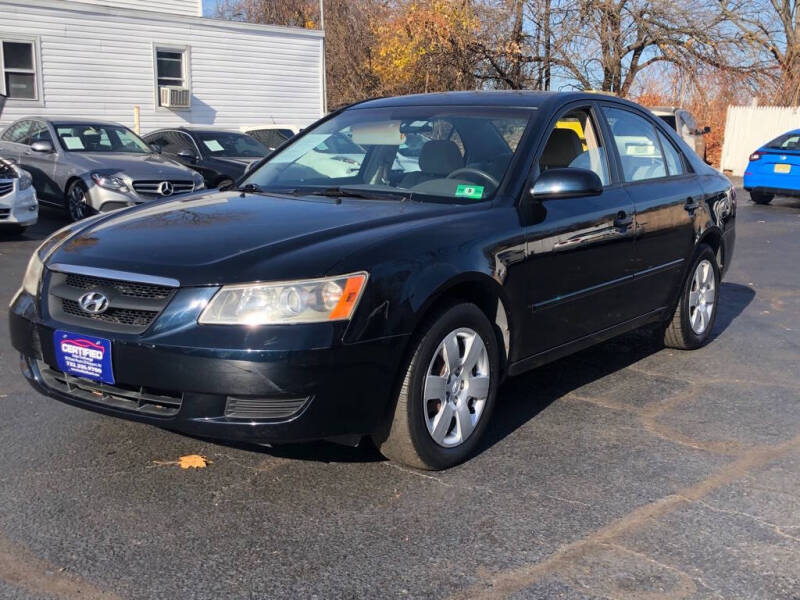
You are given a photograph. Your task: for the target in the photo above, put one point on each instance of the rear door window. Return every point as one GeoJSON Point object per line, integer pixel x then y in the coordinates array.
{"type": "Point", "coordinates": [637, 144]}
{"type": "Point", "coordinates": [673, 157]}
{"type": "Point", "coordinates": [17, 132]}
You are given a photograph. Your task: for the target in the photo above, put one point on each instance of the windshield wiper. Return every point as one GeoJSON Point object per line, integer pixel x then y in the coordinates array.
{"type": "Point", "coordinates": [347, 192]}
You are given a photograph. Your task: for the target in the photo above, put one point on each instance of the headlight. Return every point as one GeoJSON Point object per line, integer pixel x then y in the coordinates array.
{"type": "Point", "coordinates": [311, 301]}
{"type": "Point", "coordinates": [199, 182]}
{"type": "Point", "coordinates": [110, 182]}
{"type": "Point", "coordinates": [25, 181]}
{"type": "Point", "coordinates": [33, 275]}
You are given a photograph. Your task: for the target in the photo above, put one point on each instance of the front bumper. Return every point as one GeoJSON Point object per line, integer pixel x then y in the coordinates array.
{"type": "Point", "coordinates": [20, 207]}
{"type": "Point", "coordinates": [104, 200]}
{"type": "Point", "coordinates": [192, 378]}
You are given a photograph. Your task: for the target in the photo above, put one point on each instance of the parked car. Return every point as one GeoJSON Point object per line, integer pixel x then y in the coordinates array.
{"type": "Point", "coordinates": [271, 135]}
{"type": "Point", "coordinates": [221, 157]}
{"type": "Point", "coordinates": [86, 166]}
{"type": "Point", "coordinates": [774, 169]}
{"type": "Point", "coordinates": [19, 208]}
{"type": "Point", "coordinates": [682, 121]}
{"type": "Point", "coordinates": [384, 303]}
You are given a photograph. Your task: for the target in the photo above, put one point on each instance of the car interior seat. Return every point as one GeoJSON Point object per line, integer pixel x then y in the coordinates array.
{"type": "Point", "coordinates": [562, 148]}
{"type": "Point", "coordinates": [437, 159]}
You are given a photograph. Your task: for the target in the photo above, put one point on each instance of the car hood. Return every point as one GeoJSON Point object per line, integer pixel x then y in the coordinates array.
{"type": "Point", "coordinates": [232, 237]}
{"type": "Point", "coordinates": [135, 166]}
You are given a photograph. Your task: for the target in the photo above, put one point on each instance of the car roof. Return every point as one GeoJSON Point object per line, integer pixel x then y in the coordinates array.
{"type": "Point", "coordinates": [664, 109]}
{"type": "Point", "coordinates": [206, 129]}
{"type": "Point", "coordinates": [68, 121]}
{"type": "Point", "coordinates": [511, 98]}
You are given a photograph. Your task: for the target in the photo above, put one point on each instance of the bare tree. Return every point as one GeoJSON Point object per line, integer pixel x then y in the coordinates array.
{"type": "Point", "coordinates": [771, 28]}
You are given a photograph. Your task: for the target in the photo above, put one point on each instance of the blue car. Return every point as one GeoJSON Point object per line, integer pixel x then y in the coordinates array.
{"type": "Point", "coordinates": [774, 169]}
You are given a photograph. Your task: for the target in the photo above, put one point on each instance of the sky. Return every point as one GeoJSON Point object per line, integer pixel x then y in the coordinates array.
{"type": "Point", "coordinates": [208, 7]}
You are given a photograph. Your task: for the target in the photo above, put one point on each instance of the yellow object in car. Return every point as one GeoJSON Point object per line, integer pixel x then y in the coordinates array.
{"type": "Point", "coordinates": [575, 126]}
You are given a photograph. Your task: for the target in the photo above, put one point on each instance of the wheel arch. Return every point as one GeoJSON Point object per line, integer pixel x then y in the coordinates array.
{"type": "Point", "coordinates": [486, 294]}
{"type": "Point", "coordinates": [712, 237]}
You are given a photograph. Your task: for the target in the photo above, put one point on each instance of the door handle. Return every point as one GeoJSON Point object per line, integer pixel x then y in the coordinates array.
{"type": "Point", "coordinates": [691, 204]}
{"type": "Point", "coordinates": [623, 220]}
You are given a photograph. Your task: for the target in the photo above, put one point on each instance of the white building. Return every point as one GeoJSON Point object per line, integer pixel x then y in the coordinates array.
{"type": "Point", "coordinates": [160, 59]}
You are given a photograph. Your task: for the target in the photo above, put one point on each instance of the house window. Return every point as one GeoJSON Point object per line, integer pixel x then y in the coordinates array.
{"type": "Point", "coordinates": [18, 68]}
{"type": "Point", "coordinates": [172, 69]}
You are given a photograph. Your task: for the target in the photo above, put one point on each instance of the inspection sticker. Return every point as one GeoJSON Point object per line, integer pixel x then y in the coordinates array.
{"type": "Point", "coordinates": [469, 191]}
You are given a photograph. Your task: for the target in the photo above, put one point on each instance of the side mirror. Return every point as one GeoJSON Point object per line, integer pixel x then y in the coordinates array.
{"type": "Point", "coordinates": [188, 155]}
{"type": "Point", "coordinates": [155, 148]}
{"type": "Point", "coordinates": [42, 146]}
{"type": "Point", "coordinates": [566, 183]}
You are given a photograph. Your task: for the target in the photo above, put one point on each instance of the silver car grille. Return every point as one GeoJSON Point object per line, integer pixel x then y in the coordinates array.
{"type": "Point", "coordinates": [6, 185]}
{"type": "Point", "coordinates": [132, 305]}
{"type": "Point", "coordinates": [161, 189]}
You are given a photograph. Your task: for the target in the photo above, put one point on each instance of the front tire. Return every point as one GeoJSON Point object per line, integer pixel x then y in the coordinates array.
{"type": "Point", "coordinates": [77, 202]}
{"type": "Point", "coordinates": [448, 391]}
{"type": "Point", "coordinates": [14, 230]}
{"type": "Point", "coordinates": [761, 198]}
{"type": "Point", "coordinates": [693, 319]}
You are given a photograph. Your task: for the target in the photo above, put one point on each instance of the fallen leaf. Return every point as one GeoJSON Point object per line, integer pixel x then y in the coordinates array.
{"type": "Point", "coordinates": [190, 461]}
{"type": "Point", "coordinates": [193, 461]}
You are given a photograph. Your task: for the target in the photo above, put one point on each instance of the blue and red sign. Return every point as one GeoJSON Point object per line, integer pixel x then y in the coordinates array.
{"type": "Point", "coordinates": [83, 356]}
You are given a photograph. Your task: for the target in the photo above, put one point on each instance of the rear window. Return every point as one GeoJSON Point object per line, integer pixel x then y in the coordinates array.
{"type": "Point", "coordinates": [787, 141]}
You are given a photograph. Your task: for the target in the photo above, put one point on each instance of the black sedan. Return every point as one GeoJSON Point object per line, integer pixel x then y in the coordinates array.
{"type": "Point", "coordinates": [390, 302]}
{"type": "Point", "coordinates": [221, 157]}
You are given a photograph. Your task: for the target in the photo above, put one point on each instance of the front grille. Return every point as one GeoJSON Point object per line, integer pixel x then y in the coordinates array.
{"type": "Point", "coordinates": [133, 289]}
{"type": "Point", "coordinates": [5, 187]}
{"type": "Point", "coordinates": [132, 398]}
{"type": "Point", "coordinates": [120, 316]}
{"type": "Point", "coordinates": [263, 408]}
{"type": "Point", "coordinates": [151, 188]}
{"type": "Point", "coordinates": [132, 305]}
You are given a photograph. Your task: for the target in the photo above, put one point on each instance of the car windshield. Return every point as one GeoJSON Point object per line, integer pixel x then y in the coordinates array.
{"type": "Point", "coordinates": [425, 153]}
{"type": "Point", "coordinates": [788, 141]}
{"type": "Point", "coordinates": [100, 138]}
{"type": "Point", "coordinates": [225, 143]}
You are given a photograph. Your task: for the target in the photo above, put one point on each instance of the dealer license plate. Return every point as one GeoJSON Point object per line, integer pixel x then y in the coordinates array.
{"type": "Point", "coordinates": [84, 356]}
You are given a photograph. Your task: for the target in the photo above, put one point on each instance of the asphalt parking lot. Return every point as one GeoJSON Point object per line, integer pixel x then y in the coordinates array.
{"type": "Point", "coordinates": [626, 471]}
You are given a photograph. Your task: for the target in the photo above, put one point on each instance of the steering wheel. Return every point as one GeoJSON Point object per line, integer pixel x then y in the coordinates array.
{"type": "Point", "coordinates": [474, 171]}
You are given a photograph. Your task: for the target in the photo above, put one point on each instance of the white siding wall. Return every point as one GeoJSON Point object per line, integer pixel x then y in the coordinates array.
{"type": "Point", "coordinates": [191, 8]}
{"type": "Point", "coordinates": [747, 128]}
{"type": "Point", "coordinates": [98, 62]}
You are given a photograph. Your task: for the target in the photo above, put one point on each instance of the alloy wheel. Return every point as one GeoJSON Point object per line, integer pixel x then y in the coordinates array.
{"type": "Point", "coordinates": [456, 387]}
{"type": "Point", "coordinates": [702, 297]}
{"type": "Point", "coordinates": [77, 203]}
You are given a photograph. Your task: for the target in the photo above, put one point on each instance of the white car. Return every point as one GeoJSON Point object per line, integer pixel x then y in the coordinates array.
{"type": "Point", "coordinates": [19, 207]}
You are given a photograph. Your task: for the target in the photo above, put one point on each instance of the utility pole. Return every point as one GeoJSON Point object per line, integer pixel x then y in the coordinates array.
{"type": "Point", "coordinates": [324, 68]}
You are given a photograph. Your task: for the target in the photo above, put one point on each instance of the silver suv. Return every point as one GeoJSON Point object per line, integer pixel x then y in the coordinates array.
{"type": "Point", "coordinates": [682, 121]}
{"type": "Point", "coordinates": [88, 166]}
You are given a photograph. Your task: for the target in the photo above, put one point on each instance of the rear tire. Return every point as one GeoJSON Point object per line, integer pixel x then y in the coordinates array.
{"type": "Point", "coordinates": [447, 397]}
{"type": "Point", "coordinates": [761, 198]}
{"type": "Point", "coordinates": [693, 319]}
